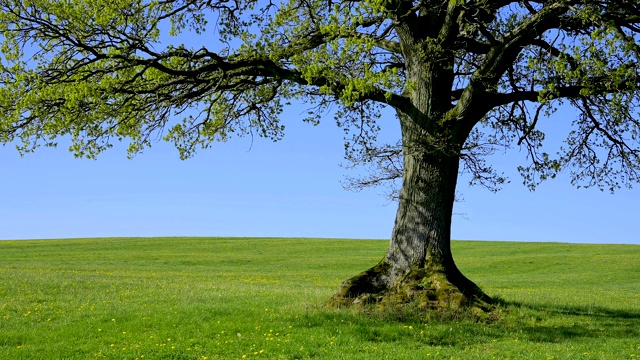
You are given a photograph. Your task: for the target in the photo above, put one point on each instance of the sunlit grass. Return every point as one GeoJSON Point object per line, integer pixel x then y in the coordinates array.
{"type": "Point", "coordinates": [215, 298]}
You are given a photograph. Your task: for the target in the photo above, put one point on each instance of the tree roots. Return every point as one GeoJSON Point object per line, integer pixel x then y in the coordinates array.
{"type": "Point", "coordinates": [422, 288]}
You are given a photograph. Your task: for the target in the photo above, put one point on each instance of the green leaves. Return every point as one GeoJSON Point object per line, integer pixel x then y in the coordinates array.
{"type": "Point", "coordinates": [102, 71]}
{"type": "Point", "coordinates": [96, 71]}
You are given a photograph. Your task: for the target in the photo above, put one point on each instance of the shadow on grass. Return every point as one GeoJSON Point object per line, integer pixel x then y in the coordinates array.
{"type": "Point", "coordinates": [537, 323]}
{"type": "Point", "coordinates": [592, 311]}
{"type": "Point", "coordinates": [557, 323]}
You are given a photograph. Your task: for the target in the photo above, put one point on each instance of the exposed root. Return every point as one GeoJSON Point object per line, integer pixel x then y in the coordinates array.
{"type": "Point", "coordinates": [421, 288]}
{"type": "Point", "coordinates": [364, 288]}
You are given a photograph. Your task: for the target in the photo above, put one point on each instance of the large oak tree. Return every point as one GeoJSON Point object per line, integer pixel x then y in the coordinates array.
{"type": "Point", "coordinates": [464, 77]}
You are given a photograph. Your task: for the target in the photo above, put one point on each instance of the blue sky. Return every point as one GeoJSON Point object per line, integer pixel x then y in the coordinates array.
{"type": "Point", "coordinates": [290, 188]}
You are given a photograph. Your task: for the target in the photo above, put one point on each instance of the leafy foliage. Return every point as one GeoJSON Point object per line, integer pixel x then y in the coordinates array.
{"type": "Point", "coordinates": [474, 75]}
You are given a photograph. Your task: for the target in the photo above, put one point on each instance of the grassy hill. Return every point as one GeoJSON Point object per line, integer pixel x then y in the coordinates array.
{"type": "Point", "coordinates": [236, 298]}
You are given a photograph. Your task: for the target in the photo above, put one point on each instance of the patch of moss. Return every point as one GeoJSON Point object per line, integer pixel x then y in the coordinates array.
{"type": "Point", "coordinates": [423, 289]}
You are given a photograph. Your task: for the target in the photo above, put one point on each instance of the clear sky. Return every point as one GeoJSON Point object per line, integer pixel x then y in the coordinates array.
{"type": "Point", "coordinates": [290, 188]}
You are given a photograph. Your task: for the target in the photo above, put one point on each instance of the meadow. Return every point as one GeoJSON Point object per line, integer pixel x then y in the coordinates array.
{"type": "Point", "coordinates": [237, 298]}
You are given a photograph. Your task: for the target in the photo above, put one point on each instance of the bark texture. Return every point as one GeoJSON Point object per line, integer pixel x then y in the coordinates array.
{"type": "Point", "coordinates": [419, 267]}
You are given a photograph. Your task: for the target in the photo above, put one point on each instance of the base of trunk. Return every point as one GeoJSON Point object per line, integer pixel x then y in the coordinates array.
{"type": "Point", "coordinates": [429, 289]}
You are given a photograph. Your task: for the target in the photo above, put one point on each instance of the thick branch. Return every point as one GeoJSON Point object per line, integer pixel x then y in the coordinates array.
{"type": "Point", "coordinates": [595, 85]}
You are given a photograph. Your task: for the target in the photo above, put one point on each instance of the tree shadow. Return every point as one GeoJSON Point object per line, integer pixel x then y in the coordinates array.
{"type": "Point", "coordinates": [533, 322]}
{"type": "Point", "coordinates": [558, 323]}
{"type": "Point", "coordinates": [593, 311]}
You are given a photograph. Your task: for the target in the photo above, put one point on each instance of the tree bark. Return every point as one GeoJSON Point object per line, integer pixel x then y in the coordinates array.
{"type": "Point", "coordinates": [419, 265]}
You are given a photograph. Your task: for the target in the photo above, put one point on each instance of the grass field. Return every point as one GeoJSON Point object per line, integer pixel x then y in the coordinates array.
{"type": "Point", "coordinates": [219, 298]}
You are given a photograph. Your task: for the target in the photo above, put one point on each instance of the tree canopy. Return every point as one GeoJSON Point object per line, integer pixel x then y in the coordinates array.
{"type": "Point", "coordinates": [99, 71]}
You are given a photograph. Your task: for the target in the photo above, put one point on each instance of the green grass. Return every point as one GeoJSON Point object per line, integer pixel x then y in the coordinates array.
{"type": "Point", "coordinates": [216, 298]}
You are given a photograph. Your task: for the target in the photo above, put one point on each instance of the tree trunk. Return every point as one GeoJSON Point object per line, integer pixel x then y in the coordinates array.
{"type": "Point", "coordinates": [419, 267]}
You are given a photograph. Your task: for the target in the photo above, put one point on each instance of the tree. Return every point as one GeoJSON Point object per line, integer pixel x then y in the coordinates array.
{"type": "Point", "coordinates": [465, 77]}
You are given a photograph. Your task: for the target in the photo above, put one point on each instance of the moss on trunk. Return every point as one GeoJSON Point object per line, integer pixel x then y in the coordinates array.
{"type": "Point", "coordinates": [422, 288]}
{"type": "Point", "coordinates": [418, 268]}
